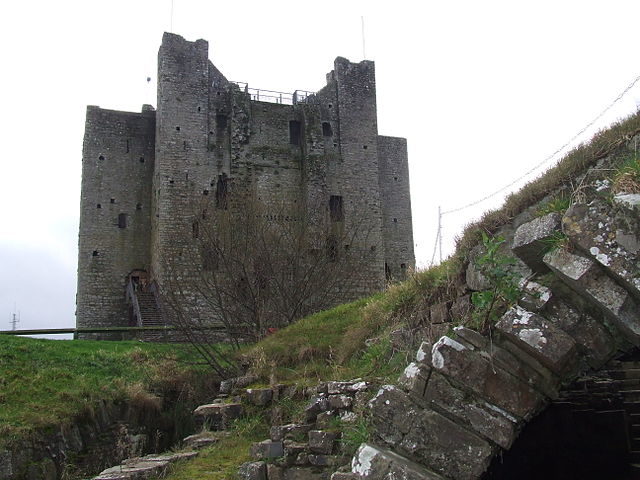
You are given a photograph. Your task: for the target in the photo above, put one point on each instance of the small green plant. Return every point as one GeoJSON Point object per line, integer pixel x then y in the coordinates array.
{"type": "Point", "coordinates": [556, 241]}
{"type": "Point", "coordinates": [505, 291]}
{"type": "Point", "coordinates": [627, 178]}
{"type": "Point", "coordinates": [558, 204]}
{"type": "Point", "coordinates": [354, 434]}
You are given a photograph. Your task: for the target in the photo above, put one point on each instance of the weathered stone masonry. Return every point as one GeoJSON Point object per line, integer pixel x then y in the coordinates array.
{"type": "Point", "coordinates": [144, 174]}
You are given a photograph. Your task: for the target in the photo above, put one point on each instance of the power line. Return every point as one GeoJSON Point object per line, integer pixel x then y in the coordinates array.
{"type": "Point", "coordinates": [547, 159]}
{"type": "Point", "coordinates": [438, 241]}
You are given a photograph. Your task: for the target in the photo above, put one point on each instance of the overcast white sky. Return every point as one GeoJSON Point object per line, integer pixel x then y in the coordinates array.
{"type": "Point", "coordinates": [483, 91]}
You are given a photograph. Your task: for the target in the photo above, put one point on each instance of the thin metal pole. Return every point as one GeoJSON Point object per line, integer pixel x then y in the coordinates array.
{"type": "Point", "coordinates": [364, 55]}
{"type": "Point", "coordinates": [440, 230]}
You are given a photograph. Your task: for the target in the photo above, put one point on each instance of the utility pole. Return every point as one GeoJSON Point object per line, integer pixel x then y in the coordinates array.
{"type": "Point", "coordinates": [440, 231]}
{"type": "Point", "coordinates": [14, 320]}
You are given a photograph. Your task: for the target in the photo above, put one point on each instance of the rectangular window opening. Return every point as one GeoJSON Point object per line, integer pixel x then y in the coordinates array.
{"type": "Point", "coordinates": [122, 220]}
{"type": "Point", "coordinates": [332, 248]}
{"type": "Point", "coordinates": [221, 122]}
{"type": "Point", "coordinates": [327, 131]}
{"type": "Point", "coordinates": [336, 212]}
{"type": "Point", "coordinates": [221, 192]}
{"type": "Point", "coordinates": [295, 132]}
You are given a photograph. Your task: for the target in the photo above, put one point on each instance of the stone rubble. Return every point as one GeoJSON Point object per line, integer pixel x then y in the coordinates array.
{"type": "Point", "coordinates": [466, 396]}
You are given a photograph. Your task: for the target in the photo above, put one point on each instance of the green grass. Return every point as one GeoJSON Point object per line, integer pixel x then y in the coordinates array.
{"type": "Point", "coordinates": [626, 179]}
{"type": "Point", "coordinates": [221, 461]}
{"type": "Point", "coordinates": [46, 383]}
{"type": "Point", "coordinates": [559, 204]}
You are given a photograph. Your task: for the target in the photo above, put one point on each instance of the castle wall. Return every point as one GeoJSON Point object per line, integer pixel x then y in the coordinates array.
{"type": "Point", "coordinates": [184, 165]}
{"type": "Point", "coordinates": [321, 157]}
{"type": "Point", "coordinates": [356, 175]}
{"type": "Point", "coordinates": [396, 206]}
{"type": "Point", "coordinates": [115, 206]}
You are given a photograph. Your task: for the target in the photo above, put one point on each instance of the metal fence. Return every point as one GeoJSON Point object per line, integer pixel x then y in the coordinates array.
{"type": "Point", "coordinates": [272, 96]}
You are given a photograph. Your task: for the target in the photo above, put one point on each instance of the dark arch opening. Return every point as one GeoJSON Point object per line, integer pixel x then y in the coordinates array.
{"type": "Point", "coordinates": [587, 434]}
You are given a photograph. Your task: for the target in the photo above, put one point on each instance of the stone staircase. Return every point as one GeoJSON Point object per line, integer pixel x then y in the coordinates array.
{"type": "Point", "coordinates": [310, 450]}
{"type": "Point", "coordinates": [151, 316]}
{"type": "Point", "coordinates": [466, 397]}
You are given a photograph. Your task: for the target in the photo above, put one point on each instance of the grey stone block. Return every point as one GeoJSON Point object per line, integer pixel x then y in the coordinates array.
{"type": "Point", "coordinates": [344, 476]}
{"type": "Point", "coordinates": [375, 463]}
{"type": "Point", "coordinates": [352, 386]}
{"type": "Point", "coordinates": [321, 441]}
{"type": "Point", "coordinates": [429, 437]}
{"type": "Point", "coordinates": [475, 279]}
{"type": "Point", "coordinates": [485, 419]}
{"type": "Point", "coordinates": [340, 402]}
{"type": "Point", "coordinates": [259, 396]}
{"type": "Point", "coordinates": [554, 348]}
{"type": "Point", "coordinates": [530, 241]}
{"type": "Point", "coordinates": [535, 296]}
{"type": "Point", "coordinates": [275, 472]}
{"type": "Point", "coordinates": [253, 471]}
{"type": "Point", "coordinates": [461, 308]}
{"type": "Point", "coordinates": [320, 460]}
{"type": "Point", "coordinates": [219, 415]}
{"type": "Point", "coordinates": [267, 449]}
{"type": "Point", "coordinates": [588, 280]}
{"type": "Point", "coordinates": [609, 236]}
{"type": "Point", "coordinates": [414, 378]}
{"type": "Point", "coordinates": [439, 313]}
{"type": "Point", "coordinates": [594, 341]}
{"type": "Point", "coordinates": [520, 364]}
{"type": "Point", "coordinates": [472, 372]}
{"type": "Point", "coordinates": [305, 473]}
{"type": "Point", "coordinates": [316, 406]}
{"type": "Point", "coordinates": [291, 431]}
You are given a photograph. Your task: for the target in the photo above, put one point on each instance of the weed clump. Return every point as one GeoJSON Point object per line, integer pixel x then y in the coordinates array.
{"type": "Point", "coordinates": [627, 178]}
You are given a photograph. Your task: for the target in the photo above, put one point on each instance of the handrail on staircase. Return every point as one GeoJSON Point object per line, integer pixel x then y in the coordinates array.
{"type": "Point", "coordinates": [132, 298]}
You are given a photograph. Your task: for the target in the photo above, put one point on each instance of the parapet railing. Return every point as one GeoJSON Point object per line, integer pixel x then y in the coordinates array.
{"type": "Point", "coordinates": [272, 96]}
{"type": "Point", "coordinates": [62, 331]}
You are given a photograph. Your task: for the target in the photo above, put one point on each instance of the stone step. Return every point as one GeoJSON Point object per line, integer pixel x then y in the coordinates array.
{"type": "Point", "coordinates": [218, 416]}
{"type": "Point", "coordinates": [203, 439]}
{"type": "Point", "coordinates": [143, 467]}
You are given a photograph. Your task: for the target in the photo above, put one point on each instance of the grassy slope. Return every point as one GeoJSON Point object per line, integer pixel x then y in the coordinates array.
{"type": "Point", "coordinates": [330, 345]}
{"type": "Point", "coordinates": [44, 383]}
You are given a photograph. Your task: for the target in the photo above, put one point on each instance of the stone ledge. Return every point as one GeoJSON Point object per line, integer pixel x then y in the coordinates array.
{"type": "Point", "coordinates": [375, 463]}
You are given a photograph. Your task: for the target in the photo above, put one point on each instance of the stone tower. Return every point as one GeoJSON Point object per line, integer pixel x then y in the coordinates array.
{"type": "Point", "coordinates": [144, 173]}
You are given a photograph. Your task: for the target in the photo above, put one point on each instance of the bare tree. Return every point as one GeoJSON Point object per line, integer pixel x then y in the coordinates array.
{"type": "Point", "coordinates": [256, 268]}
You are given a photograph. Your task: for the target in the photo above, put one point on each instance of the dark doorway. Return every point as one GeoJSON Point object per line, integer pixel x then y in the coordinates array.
{"type": "Point", "coordinates": [587, 434]}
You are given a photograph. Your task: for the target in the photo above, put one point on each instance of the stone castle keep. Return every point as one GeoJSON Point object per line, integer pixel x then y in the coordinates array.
{"type": "Point", "coordinates": [144, 173]}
